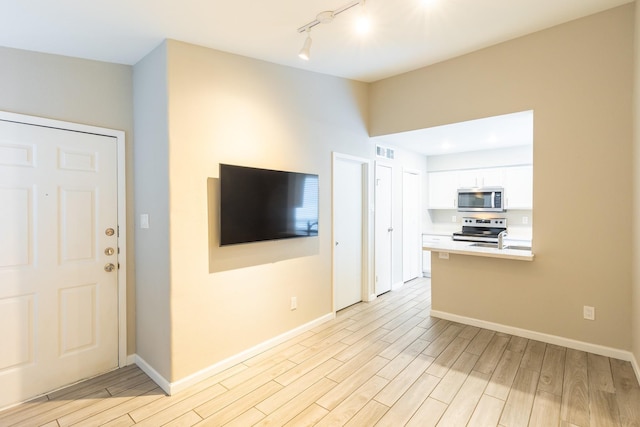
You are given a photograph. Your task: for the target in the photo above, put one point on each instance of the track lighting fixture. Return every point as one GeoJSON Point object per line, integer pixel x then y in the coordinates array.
{"type": "Point", "coordinates": [325, 18]}
{"type": "Point", "coordinates": [305, 52]}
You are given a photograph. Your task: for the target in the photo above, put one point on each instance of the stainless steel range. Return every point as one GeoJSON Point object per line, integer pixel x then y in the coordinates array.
{"type": "Point", "coordinates": [481, 230]}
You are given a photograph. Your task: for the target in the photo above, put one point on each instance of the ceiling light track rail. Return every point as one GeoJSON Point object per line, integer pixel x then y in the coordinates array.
{"type": "Point", "coordinates": [327, 16]}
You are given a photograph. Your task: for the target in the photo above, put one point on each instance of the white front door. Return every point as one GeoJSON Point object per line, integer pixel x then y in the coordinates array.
{"type": "Point", "coordinates": [58, 258]}
{"type": "Point", "coordinates": [384, 228]}
{"type": "Point", "coordinates": [411, 237]}
{"type": "Point", "coordinates": [348, 230]}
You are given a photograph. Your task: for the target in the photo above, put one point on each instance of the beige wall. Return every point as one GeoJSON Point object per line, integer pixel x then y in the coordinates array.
{"type": "Point", "coordinates": [636, 210]}
{"type": "Point", "coordinates": [224, 108]}
{"type": "Point", "coordinates": [79, 91]}
{"type": "Point", "coordinates": [577, 78]}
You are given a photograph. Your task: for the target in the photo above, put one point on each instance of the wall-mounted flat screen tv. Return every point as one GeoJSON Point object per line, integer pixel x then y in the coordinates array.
{"type": "Point", "coordinates": [262, 204]}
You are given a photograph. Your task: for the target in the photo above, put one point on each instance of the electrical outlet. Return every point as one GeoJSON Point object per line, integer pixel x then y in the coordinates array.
{"type": "Point", "coordinates": [589, 313]}
{"type": "Point", "coordinates": [454, 218]}
{"type": "Point", "coordinates": [443, 255]}
{"type": "Point", "coordinates": [294, 303]}
{"type": "Point", "coordinates": [525, 220]}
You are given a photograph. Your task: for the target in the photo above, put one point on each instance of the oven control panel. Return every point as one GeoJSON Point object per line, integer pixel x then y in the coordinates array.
{"type": "Point", "coordinates": [482, 222]}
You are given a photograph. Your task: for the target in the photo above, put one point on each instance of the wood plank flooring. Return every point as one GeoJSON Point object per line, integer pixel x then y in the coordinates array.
{"type": "Point", "coordinates": [385, 363]}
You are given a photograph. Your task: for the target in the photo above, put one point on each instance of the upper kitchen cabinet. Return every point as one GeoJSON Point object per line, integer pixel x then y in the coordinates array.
{"type": "Point", "coordinates": [518, 187]}
{"type": "Point", "coordinates": [443, 188]}
{"type": "Point", "coordinates": [489, 177]}
{"type": "Point", "coordinates": [516, 180]}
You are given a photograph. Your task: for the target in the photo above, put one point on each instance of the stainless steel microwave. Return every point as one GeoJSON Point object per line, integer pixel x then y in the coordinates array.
{"type": "Point", "coordinates": [485, 199]}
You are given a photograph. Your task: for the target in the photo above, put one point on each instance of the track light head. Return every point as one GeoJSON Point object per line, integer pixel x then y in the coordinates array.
{"type": "Point", "coordinates": [305, 52]}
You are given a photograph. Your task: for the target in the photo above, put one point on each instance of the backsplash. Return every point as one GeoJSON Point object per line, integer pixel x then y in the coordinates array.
{"type": "Point", "coordinates": [440, 221]}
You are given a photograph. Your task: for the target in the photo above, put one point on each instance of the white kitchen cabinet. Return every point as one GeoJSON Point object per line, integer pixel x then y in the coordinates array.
{"type": "Point", "coordinates": [488, 177]}
{"type": "Point", "coordinates": [467, 179]}
{"type": "Point", "coordinates": [516, 180]}
{"type": "Point", "coordinates": [443, 188]}
{"type": "Point", "coordinates": [492, 177]}
{"type": "Point", "coordinates": [426, 263]}
{"type": "Point", "coordinates": [518, 187]}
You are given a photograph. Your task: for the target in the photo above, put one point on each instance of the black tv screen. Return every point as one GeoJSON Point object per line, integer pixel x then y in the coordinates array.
{"type": "Point", "coordinates": [262, 204]}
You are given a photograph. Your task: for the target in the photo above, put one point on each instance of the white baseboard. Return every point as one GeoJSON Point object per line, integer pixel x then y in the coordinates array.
{"type": "Point", "coordinates": [130, 360]}
{"type": "Point", "coordinates": [172, 388]}
{"type": "Point", "coordinates": [153, 374]}
{"type": "Point", "coordinates": [396, 286]}
{"type": "Point", "coordinates": [538, 336]}
{"type": "Point", "coordinates": [636, 367]}
{"type": "Point", "coordinates": [177, 386]}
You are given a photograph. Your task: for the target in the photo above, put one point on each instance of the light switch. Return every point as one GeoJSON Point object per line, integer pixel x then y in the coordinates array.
{"type": "Point", "coordinates": [144, 221]}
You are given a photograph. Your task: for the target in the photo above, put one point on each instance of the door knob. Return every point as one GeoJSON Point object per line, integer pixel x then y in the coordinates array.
{"type": "Point", "coordinates": [109, 251]}
{"type": "Point", "coordinates": [109, 232]}
{"type": "Point", "coordinates": [109, 268]}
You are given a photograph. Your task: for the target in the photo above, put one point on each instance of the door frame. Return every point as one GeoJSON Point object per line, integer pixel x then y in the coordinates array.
{"type": "Point", "coordinates": [122, 212]}
{"type": "Point", "coordinates": [368, 293]}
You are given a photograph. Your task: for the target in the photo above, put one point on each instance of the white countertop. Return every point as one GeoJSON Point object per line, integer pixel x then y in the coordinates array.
{"type": "Point", "coordinates": [466, 248]}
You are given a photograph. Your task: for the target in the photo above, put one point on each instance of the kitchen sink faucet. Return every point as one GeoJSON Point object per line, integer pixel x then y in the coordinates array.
{"type": "Point", "coordinates": [501, 237]}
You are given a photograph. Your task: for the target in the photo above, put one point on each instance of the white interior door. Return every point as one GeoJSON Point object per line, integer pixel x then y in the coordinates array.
{"type": "Point", "coordinates": [58, 222]}
{"type": "Point", "coordinates": [348, 229]}
{"type": "Point", "coordinates": [411, 236]}
{"type": "Point", "coordinates": [384, 228]}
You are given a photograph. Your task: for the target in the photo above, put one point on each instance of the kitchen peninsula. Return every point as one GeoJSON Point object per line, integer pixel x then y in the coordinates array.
{"type": "Point", "coordinates": [481, 237]}
{"type": "Point", "coordinates": [479, 249]}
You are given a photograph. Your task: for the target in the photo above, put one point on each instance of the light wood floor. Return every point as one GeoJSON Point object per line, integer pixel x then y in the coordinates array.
{"type": "Point", "coordinates": [385, 363]}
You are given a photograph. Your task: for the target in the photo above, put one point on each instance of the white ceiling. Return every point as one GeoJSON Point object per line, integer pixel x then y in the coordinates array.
{"type": "Point", "coordinates": [508, 130]}
{"type": "Point", "coordinates": [406, 34]}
